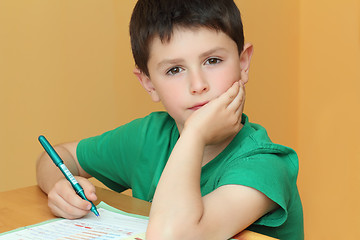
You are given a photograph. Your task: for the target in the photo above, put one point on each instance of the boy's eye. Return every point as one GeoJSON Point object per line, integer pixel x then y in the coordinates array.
{"type": "Point", "coordinates": [174, 71]}
{"type": "Point", "coordinates": [211, 61]}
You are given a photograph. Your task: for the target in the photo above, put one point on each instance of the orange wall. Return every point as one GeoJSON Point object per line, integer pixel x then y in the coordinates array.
{"type": "Point", "coordinates": [66, 72]}
{"type": "Point", "coordinates": [329, 118]}
{"type": "Point", "coordinates": [272, 95]}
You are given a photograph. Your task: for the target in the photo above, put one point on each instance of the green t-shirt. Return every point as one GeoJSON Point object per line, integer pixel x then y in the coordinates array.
{"type": "Point", "coordinates": [134, 156]}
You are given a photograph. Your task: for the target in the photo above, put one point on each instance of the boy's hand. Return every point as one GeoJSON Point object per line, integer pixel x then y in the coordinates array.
{"type": "Point", "coordinates": [64, 202]}
{"type": "Point", "coordinates": [221, 117]}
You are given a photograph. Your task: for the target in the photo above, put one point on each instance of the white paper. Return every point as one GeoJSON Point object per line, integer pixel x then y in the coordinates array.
{"type": "Point", "coordinates": [110, 225]}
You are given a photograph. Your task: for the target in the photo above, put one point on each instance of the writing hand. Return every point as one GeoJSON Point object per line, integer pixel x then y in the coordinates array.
{"type": "Point", "coordinates": [64, 202]}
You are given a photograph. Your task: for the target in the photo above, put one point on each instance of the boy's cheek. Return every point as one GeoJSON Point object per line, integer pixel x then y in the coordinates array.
{"type": "Point", "coordinates": [227, 86]}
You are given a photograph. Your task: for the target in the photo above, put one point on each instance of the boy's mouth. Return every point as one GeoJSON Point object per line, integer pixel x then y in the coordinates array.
{"type": "Point", "coordinates": [197, 106]}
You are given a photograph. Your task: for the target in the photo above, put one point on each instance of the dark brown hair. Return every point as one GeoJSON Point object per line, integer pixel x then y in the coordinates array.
{"type": "Point", "coordinates": [152, 18]}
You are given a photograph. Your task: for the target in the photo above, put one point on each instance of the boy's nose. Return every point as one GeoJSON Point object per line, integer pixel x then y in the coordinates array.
{"type": "Point", "coordinates": [198, 84]}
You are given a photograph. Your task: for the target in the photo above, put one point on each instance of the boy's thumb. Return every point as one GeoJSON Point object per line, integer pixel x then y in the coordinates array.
{"type": "Point", "coordinates": [89, 188]}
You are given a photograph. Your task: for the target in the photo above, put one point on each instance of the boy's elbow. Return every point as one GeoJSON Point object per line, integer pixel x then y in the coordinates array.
{"type": "Point", "coordinates": [179, 231]}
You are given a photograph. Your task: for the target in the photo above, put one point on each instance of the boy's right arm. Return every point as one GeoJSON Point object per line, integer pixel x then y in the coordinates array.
{"type": "Point", "coordinates": [62, 199]}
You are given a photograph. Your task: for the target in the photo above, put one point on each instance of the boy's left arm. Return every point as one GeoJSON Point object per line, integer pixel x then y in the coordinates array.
{"type": "Point", "coordinates": [178, 209]}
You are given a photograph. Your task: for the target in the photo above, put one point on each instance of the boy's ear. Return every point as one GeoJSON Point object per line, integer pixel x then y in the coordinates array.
{"type": "Point", "coordinates": [147, 84]}
{"type": "Point", "coordinates": [245, 58]}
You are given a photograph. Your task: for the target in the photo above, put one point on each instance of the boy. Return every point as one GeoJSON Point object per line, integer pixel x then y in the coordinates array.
{"type": "Point", "coordinates": [208, 172]}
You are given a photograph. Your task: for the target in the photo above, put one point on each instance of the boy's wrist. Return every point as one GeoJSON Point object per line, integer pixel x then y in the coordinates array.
{"type": "Point", "coordinates": [194, 135]}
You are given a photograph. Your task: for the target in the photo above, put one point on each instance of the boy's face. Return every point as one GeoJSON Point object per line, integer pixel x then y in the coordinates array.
{"type": "Point", "coordinates": [195, 67]}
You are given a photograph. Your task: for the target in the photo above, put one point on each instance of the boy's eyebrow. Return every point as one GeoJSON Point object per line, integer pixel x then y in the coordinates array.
{"type": "Point", "coordinates": [178, 60]}
{"type": "Point", "coordinates": [212, 51]}
{"type": "Point", "coordinates": [169, 62]}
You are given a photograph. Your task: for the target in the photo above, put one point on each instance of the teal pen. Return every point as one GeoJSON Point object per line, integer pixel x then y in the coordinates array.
{"type": "Point", "coordinates": [60, 164]}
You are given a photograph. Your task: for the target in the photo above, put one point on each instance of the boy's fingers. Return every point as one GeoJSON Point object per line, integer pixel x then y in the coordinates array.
{"type": "Point", "coordinates": [239, 99]}
{"type": "Point", "coordinates": [240, 109]}
{"type": "Point", "coordinates": [65, 198]}
{"type": "Point", "coordinates": [230, 94]}
{"type": "Point", "coordinates": [68, 212]}
{"type": "Point", "coordinates": [89, 189]}
{"type": "Point", "coordinates": [76, 201]}
{"type": "Point", "coordinates": [60, 206]}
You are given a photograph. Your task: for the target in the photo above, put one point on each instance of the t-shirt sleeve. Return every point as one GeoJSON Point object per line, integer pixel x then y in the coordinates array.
{"type": "Point", "coordinates": [108, 157]}
{"type": "Point", "coordinates": [273, 175]}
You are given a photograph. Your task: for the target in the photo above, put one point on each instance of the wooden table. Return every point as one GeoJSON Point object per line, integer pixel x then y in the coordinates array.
{"type": "Point", "coordinates": [28, 206]}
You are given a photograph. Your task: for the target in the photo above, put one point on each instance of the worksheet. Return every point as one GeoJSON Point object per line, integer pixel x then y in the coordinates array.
{"type": "Point", "coordinates": [112, 224]}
